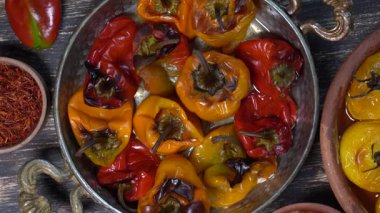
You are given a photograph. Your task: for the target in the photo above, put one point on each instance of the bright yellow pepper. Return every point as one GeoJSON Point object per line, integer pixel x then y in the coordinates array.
{"type": "Point", "coordinates": [218, 146]}
{"type": "Point", "coordinates": [212, 85]}
{"type": "Point", "coordinates": [110, 129]}
{"type": "Point", "coordinates": [360, 154]}
{"type": "Point", "coordinates": [176, 186]}
{"type": "Point", "coordinates": [164, 120]}
{"type": "Point", "coordinates": [218, 178]}
{"type": "Point", "coordinates": [363, 100]}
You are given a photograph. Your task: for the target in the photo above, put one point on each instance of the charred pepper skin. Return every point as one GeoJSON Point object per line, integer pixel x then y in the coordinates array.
{"type": "Point", "coordinates": [86, 121]}
{"type": "Point", "coordinates": [213, 101]}
{"type": "Point", "coordinates": [184, 133]}
{"type": "Point", "coordinates": [176, 185]}
{"type": "Point", "coordinates": [35, 22]}
{"type": "Point", "coordinates": [111, 79]}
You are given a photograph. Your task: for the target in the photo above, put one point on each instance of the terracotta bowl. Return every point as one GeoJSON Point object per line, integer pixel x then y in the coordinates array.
{"type": "Point", "coordinates": [350, 197]}
{"type": "Point", "coordinates": [41, 84]}
{"type": "Point", "coordinates": [306, 208]}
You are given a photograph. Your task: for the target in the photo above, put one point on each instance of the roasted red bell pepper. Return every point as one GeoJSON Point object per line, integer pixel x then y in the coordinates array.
{"type": "Point", "coordinates": [262, 137]}
{"type": "Point", "coordinates": [111, 79]}
{"type": "Point", "coordinates": [274, 64]}
{"type": "Point", "coordinates": [132, 172]}
{"type": "Point", "coordinates": [160, 52]}
{"type": "Point", "coordinates": [35, 22]}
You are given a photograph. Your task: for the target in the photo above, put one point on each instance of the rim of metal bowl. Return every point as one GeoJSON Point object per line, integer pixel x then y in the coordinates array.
{"type": "Point", "coordinates": [98, 198]}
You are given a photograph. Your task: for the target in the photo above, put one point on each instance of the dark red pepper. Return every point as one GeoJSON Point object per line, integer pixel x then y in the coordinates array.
{"type": "Point", "coordinates": [271, 62]}
{"type": "Point", "coordinates": [35, 22]}
{"type": "Point", "coordinates": [160, 52]}
{"type": "Point", "coordinates": [263, 137]}
{"type": "Point", "coordinates": [267, 115]}
{"type": "Point", "coordinates": [111, 79]}
{"type": "Point", "coordinates": [135, 167]}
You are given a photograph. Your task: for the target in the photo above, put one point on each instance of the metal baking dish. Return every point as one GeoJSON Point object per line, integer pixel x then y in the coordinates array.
{"type": "Point", "coordinates": [270, 18]}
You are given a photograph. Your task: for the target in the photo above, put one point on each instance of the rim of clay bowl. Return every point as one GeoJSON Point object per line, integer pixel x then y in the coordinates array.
{"type": "Point", "coordinates": [334, 102]}
{"type": "Point", "coordinates": [307, 207]}
{"type": "Point", "coordinates": [42, 86]}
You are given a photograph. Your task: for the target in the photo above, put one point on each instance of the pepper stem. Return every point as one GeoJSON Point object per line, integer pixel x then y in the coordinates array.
{"type": "Point", "coordinates": [202, 61]}
{"type": "Point", "coordinates": [164, 43]}
{"type": "Point", "coordinates": [263, 135]}
{"type": "Point", "coordinates": [219, 18]}
{"type": "Point", "coordinates": [162, 137]}
{"type": "Point", "coordinates": [86, 146]}
{"type": "Point", "coordinates": [106, 136]}
{"type": "Point", "coordinates": [376, 159]}
{"type": "Point", "coordinates": [373, 83]}
{"type": "Point", "coordinates": [123, 187]}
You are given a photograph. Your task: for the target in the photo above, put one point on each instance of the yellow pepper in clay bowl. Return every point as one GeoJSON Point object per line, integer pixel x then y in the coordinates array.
{"type": "Point", "coordinates": [212, 84]}
{"type": "Point", "coordinates": [101, 133]}
{"type": "Point", "coordinates": [163, 125]}
{"type": "Point", "coordinates": [363, 100]}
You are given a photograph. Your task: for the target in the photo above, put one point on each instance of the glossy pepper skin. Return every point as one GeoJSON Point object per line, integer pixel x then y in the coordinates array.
{"type": "Point", "coordinates": [160, 52]}
{"type": "Point", "coordinates": [274, 64]}
{"type": "Point", "coordinates": [135, 166]}
{"type": "Point", "coordinates": [213, 94]}
{"type": "Point", "coordinates": [222, 23]}
{"type": "Point", "coordinates": [360, 154]}
{"type": "Point", "coordinates": [177, 187]}
{"type": "Point", "coordinates": [176, 12]}
{"type": "Point", "coordinates": [365, 91]}
{"type": "Point", "coordinates": [218, 146]}
{"type": "Point", "coordinates": [35, 22]}
{"type": "Point", "coordinates": [111, 79]}
{"type": "Point", "coordinates": [230, 182]}
{"type": "Point", "coordinates": [160, 117]}
{"type": "Point", "coordinates": [110, 128]}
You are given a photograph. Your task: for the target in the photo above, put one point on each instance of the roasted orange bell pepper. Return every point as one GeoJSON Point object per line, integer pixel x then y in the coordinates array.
{"type": "Point", "coordinates": [365, 90]}
{"type": "Point", "coordinates": [230, 182]}
{"type": "Point", "coordinates": [170, 11]}
{"type": "Point", "coordinates": [163, 125]}
{"type": "Point", "coordinates": [218, 146]}
{"type": "Point", "coordinates": [177, 187]}
{"type": "Point", "coordinates": [212, 85]}
{"type": "Point", "coordinates": [102, 133]}
{"type": "Point", "coordinates": [222, 23]}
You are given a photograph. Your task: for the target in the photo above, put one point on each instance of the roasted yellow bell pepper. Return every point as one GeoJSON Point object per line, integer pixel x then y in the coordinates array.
{"type": "Point", "coordinates": [230, 182]}
{"type": "Point", "coordinates": [164, 126]}
{"type": "Point", "coordinates": [102, 133]}
{"type": "Point", "coordinates": [218, 146]}
{"type": "Point", "coordinates": [222, 23]}
{"type": "Point", "coordinates": [177, 186]}
{"type": "Point", "coordinates": [170, 11]}
{"type": "Point", "coordinates": [212, 85]}
{"type": "Point", "coordinates": [360, 154]}
{"type": "Point", "coordinates": [363, 100]}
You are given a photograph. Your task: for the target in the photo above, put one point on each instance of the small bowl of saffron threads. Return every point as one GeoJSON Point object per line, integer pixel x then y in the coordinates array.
{"type": "Point", "coordinates": [23, 104]}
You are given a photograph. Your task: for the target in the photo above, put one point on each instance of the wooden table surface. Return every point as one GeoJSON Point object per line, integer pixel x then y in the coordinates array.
{"type": "Point", "coordinates": [310, 185]}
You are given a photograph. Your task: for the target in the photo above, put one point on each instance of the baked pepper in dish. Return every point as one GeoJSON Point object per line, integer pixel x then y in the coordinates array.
{"type": "Point", "coordinates": [222, 23]}
{"type": "Point", "coordinates": [230, 182]}
{"type": "Point", "coordinates": [365, 90]}
{"type": "Point", "coordinates": [132, 172]}
{"type": "Point", "coordinates": [111, 79]}
{"type": "Point", "coordinates": [177, 188]}
{"type": "Point", "coordinates": [101, 133]}
{"type": "Point", "coordinates": [176, 12]}
{"type": "Point", "coordinates": [218, 146]}
{"type": "Point", "coordinates": [162, 125]}
{"type": "Point", "coordinates": [35, 22]}
{"type": "Point", "coordinates": [160, 53]}
{"type": "Point", "coordinates": [212, 84]}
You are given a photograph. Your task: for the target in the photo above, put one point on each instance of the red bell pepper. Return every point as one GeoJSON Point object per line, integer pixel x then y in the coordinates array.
{"type": "Point", "coordinates": [111, 79]}
{"type": "Point", "coordinates": [274, 64]}
{"type": "Point", "coordinates": [160, 52]}
{"type": "Point", "coordinates": [35, 22]}
{"type": "Point", "coordinates": [262, 136]}
{"type": "Point", "coordinates": [135, 167]}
